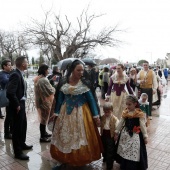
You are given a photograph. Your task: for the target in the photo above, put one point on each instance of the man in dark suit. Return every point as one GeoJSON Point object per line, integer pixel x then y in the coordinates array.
{"type": "Point", "coordinates": [16, 93]}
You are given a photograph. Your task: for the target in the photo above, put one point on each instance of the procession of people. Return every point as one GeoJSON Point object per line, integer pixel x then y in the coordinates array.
{"type": "Point", "coordinates": [83, 130]}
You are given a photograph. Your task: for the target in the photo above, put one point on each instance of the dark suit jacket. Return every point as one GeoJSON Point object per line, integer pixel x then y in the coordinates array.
{"type": "Point", "coordinates": [15, 88]}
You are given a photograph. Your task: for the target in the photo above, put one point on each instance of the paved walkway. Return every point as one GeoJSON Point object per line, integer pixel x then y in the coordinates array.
{"type": "Point", "coordinates": [158, 147]}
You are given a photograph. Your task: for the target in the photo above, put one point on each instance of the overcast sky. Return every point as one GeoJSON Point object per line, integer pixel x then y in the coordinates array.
{"type": "Point", "coordinates": [147, 22]}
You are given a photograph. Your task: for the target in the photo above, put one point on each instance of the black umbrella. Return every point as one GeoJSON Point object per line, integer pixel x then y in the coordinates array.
{"type": "Point", "coordinates": [63, 64]}
{"type": "Point", "coordinates": [89, 61]}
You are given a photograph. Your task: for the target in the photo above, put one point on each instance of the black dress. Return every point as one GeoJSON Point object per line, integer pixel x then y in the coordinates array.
{"type": "Point", "coordinates": [128, 164]}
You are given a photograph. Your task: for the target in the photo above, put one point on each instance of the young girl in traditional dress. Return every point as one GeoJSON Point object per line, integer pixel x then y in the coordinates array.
{"type": "Point", "coordinates": [144, 106]}
{"type": "Point", "coordinates": [131, 149]}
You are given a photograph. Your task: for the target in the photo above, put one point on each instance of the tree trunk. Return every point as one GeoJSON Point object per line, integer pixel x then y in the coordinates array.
{"type": "Point", "coordinates": [57, 54]}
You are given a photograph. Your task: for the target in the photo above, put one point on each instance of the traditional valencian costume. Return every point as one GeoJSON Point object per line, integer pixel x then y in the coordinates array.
{"type": "Point", "coordinates": [108, 127]}
{"type": "Point", "coordinates": [76, 139]}
{"type": "Point", "coordinates": [150, 84]}
{"type": "Point", "coordinates": [118, 93]}
{"type": "Point", "coordinates": [131, 149]}
{"type": "Point", "coordinates": [144, 106]}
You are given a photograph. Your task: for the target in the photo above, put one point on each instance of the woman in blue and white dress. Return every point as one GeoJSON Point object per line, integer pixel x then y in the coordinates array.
{"type": "Point", "coordinates": [76, 139]}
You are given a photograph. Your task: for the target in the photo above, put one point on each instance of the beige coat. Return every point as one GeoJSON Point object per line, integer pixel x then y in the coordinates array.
{"type": "Point", "coordinates": [113, 123]}
{"type": "Point", "coordinates": [44, 95]}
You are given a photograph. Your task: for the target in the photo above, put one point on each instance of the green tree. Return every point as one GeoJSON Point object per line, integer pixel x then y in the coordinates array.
{"type": "Point", "coordinates": [140, 62]}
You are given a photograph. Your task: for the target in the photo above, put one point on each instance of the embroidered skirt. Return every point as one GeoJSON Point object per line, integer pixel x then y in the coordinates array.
{"type": "Point", "coordinates": [76, 139]}
{"type": "Point", "coordinates": [118, 103]}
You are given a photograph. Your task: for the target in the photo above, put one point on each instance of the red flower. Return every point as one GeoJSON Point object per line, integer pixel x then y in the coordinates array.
{"type": "Point", "coordinates": [136, 129]}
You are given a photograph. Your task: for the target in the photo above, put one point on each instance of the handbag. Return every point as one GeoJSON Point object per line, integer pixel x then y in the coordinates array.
{"type": "Point", "coordinates": [3, 99]}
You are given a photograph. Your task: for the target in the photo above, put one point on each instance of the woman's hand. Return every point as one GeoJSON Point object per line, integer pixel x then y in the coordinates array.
{"type": "Point", "coordinates": [115, 137]}
{"type": "Point", "coordinates": [153, 91]}
{"type": "Point", "coordinates": [54, 78]}
{"type": "Point", "coordinates": [106, 99]}
{"type": "Point", "coordinates": [97, 121]}
{"type": "Point", "coordinates": [142, 81]}
{"type": "Point", "coordinates": [145, 140]}
{"type": "Point", "coordinates": [18, 109]}
{"type": "Point", "coordinates": [53, 117]}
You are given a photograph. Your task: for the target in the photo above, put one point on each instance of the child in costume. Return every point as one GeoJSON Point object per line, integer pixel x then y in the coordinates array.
{"type": "Point", "coordinates": [144, 106]}
{"type": "Point", "coordinates": [108, 127]}
{"type": "Point", "coordinates": [131, 149]}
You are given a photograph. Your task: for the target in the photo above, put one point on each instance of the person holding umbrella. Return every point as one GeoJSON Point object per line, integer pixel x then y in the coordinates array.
{"type": "Point", "coordinates": [92, 74]}
{"type": "Point", "coordinates": [55, 76]}
{"type": "Point", "coordinates": [91, 70]}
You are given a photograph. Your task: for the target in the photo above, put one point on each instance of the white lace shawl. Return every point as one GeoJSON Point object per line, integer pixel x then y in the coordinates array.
{"type": "Point", "coordinates": [79, 88]}
{"type": "Point", "coordinates": [114, 78]}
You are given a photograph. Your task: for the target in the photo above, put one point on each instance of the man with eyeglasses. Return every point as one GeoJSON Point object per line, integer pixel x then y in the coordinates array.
{"type": "Point", "coordinates": [148, 83]}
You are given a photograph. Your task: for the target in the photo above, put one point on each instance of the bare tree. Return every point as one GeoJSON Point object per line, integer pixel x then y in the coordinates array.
{"type": "Point", "coordinates": [12, 43]}
{"type": "Point", "coordinates": [66, 41]}
{"type": "Point", "coordinates": [47, 50]}
{"type": "Point", "coordinates": [7, 44]}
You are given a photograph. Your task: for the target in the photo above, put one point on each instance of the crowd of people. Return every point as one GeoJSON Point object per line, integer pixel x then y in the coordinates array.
{"type": "Point", "coordinates": [69, 101]}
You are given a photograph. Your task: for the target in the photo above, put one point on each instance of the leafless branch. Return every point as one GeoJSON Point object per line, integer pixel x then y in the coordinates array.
{"type": "Point", "coordinates": [62, 37]}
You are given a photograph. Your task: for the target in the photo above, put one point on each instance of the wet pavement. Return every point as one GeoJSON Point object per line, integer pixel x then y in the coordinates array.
{"type": "Point", "coordinates": [158, 147]}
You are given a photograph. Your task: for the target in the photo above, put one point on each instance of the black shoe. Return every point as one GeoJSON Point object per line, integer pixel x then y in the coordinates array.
{"type": "Point", "coordinates": [22, 157]}
{"type": "Point", "coordinates": [9, 136]}
{"type": "Point", "coordinates": [47, 135]}
{"type": "Point", "coordinates": [45, 139]}
{"type": "Point", "coordinates": [27, 147]}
